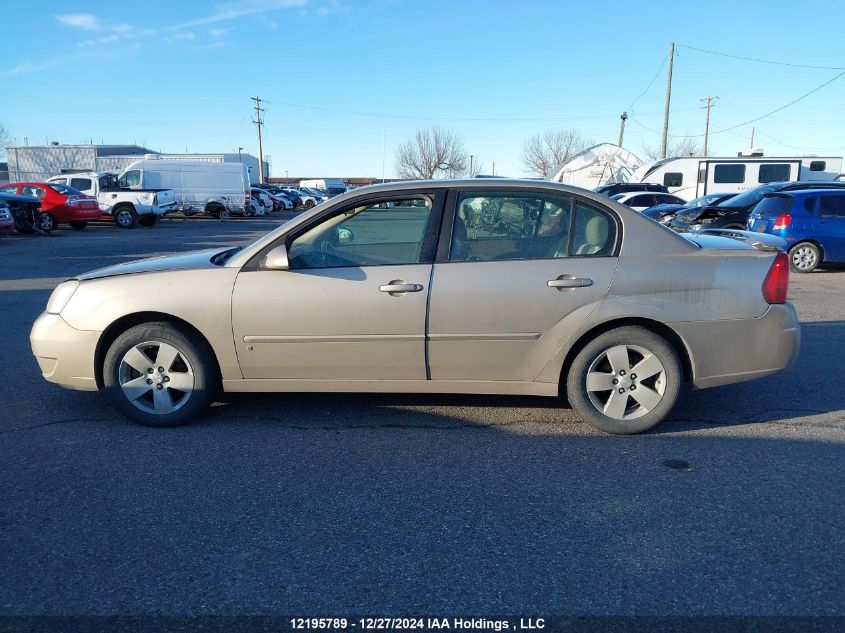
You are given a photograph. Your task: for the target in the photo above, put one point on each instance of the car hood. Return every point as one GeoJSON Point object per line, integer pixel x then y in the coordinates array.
{"type": "Point", "coordinates": [182, 261]}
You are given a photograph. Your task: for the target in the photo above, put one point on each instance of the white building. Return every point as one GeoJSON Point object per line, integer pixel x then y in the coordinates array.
{"type": "Point", "coordinates": [39, 162]}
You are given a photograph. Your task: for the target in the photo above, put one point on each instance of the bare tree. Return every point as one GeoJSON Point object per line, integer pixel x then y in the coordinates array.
{"type": "Point", "coordinates": [679, 148]}
{"type": "Point", "coordinates": [543, 154]}
{"type": "Point", "coordinates": [432, 152]}
{"type": "Point", "coordinates": [5, 139]}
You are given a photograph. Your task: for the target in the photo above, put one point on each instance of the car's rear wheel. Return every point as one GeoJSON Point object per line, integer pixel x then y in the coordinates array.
{"type": "Point", "coordinates": [159, 375]}
{"type": "Point", "coordinates": [78, 225]}
{"type": "Point", "coordinates": [125, 216]}
{"type": "Point", "coordinates": [309, 204]}
{"type": "Point", "coordinates": [150, 219]}
{"type": "Point", "coordinates": [805, 257]}
{"type": "Point", "coordinates": [48, 222]}
{"type": "Point", "coordinates": [625, 380]}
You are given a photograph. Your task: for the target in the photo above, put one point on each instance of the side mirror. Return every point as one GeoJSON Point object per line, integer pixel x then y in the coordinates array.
{"type": "Point", "coordinates": [344, 235]}
{"type": "Point", "coordinates": [277, 259]}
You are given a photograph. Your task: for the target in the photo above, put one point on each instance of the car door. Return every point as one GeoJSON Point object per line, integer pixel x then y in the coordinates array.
{"type": "Point", "coordinates": [517, 272]}
{"type": "Point", "coordinates": [352, 305]}
{"type": "Point", "coordinates": [831, 225]}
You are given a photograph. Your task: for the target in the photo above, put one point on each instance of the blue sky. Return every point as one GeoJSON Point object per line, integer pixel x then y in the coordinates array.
{"type": "Point", "coordinates": [346, 81]}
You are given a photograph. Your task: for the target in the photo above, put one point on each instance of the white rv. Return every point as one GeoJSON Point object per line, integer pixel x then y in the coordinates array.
{"type": "Point", "coordinates": [692, 177]}
{"type": "Point", "coordinates": [199, 186]}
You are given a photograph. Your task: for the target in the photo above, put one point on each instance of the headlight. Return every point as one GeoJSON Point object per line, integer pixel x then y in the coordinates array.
{"type": "Point", "coordinates": [61, 295]}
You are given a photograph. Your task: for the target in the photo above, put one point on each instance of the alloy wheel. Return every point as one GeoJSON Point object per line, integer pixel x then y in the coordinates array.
{"type": "Point", "coordinates": [156, 377]}
{"type": "Point", "coordinates": [804, 258]}
{"type": "Point", "coordinates": [625, 382]}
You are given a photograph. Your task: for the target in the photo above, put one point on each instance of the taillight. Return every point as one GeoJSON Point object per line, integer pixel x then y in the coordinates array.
{"type": "Point", "coordinates": [776, 283]}
{"type": "Point", "coordinates": [782, 222]}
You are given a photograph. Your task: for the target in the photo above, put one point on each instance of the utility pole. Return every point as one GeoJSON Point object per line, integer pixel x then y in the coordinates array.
{"type": "Point", "coordinates": [258, 123]}
{"type": "Point", "coordinates": [663, 145]}
{"type": "Point", "coordinates": [622, 128]}
{"type": "Point", "coordinates": [470, 165]}
{"type": "Point", "coordinates": [751, 147]}
{"type": "Point", "coordinates": [707, 105]}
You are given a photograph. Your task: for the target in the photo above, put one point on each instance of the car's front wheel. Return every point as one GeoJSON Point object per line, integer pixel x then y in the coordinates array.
{"type": "Point", "coordinates": [159, 375]}
{"type": "Point", "coordinates": [805, 257]}
{"type": "Point", "coordinates": [625, 380]}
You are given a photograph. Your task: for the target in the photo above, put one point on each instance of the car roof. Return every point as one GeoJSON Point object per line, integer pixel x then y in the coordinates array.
{"type": "Point", "coordinates": [795, 193]}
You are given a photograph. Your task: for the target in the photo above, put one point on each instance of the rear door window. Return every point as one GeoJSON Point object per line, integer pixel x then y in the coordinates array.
{"type": "Point", "coordinates": [832, 206]}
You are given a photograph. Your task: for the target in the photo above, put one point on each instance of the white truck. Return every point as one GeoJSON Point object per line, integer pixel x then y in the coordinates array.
{"type": "Point", "coordinates": [332, 186]}
{"type": "Point", "coordinates": [128, 207]}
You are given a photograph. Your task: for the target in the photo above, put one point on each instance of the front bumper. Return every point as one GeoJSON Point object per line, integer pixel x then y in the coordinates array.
{"type": "Point", "coordinates": [64, 354]}
{"type": "Point", "coordinates": [729, 351]}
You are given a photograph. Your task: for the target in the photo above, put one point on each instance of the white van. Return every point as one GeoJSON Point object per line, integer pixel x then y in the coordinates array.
{"type": "Point", "coordinates": [199, 186]}
{"type": "Point", "coordinates": [332, 186]}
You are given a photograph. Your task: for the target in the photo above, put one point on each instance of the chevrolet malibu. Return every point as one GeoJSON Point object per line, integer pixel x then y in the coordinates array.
{"type": "Point", "coordinates": [474, 286]}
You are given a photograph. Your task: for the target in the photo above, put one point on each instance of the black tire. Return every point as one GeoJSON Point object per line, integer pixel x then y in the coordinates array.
{"type": "Point", "coordinates": [150, 219]}
{"type": "Point", "coordinates": [214, 209]}
{"type": "Point", "coordinates": [664, 385]}
{"type": "Point", "coordinates": [125, 216]}
{"type": "Point", "coordinates": [194, 353]}
{"type": "Point", "coordinates": [48, 222]}
{"type": "Point", "coordinates": [309, 204]}
{"type": "Point", "coordinates": [804, 257]}
{"type": "Point", "coordinates": [78, 225]}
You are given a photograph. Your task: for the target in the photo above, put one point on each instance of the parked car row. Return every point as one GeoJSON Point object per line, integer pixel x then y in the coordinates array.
{"type": "Point", "coordinates": [808, 215]}
{"type": "Point", "coordinates": [58, 204]}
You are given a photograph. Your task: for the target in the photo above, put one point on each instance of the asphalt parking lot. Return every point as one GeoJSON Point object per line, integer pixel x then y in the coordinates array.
{"type": "Point", "coordinates": [338, 504]}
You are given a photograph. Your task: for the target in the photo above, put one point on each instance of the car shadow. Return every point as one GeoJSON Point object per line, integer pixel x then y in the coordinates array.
{"type": "Point", "coordinates": [810, 387]}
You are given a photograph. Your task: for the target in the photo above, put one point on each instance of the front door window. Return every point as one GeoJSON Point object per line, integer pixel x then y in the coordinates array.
{"type": "Point", "coordinates": [389, 232]}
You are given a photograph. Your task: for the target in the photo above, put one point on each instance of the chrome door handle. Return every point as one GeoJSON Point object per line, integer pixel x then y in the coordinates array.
{"type": "Point", "coordinates": [568, 281]}
{"type": "Point", "coordinates": [397, 286]}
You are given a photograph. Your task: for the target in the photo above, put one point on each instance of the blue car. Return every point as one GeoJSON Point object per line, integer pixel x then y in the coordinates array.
{"type": "Point", "coordinates": [812, 222]}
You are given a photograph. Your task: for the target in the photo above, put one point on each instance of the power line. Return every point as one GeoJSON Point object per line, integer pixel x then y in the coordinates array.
{"type": "Point", "coordinates": [801, 149]}
{"type": "Point", "coordinates": [754, 120]}
{"type": "Point", "coordinates": [650, 83]}
{"type": "Point", "coordinates": [760, 61]}
{"type": "Point", "coordinates": [390, 115]}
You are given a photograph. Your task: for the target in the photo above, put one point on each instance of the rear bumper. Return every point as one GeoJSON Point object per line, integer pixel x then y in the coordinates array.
{"type": "Point", "coordinates": [725, 352]}
{"type": "Point", "coordinates": [64, 354]}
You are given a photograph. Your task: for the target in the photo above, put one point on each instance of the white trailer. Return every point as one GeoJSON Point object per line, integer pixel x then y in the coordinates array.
{"type": "Point", "coordinates": [691, 177]}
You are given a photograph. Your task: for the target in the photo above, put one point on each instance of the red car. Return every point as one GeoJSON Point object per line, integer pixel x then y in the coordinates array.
{"type": "Point", "coordinates": [59, 203]}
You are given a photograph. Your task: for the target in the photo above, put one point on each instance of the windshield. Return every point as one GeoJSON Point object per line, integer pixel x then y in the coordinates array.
{"type": "Point", "coordinates": [65, 190]}
{"type": "Point", "coordinates": [752, 196]}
